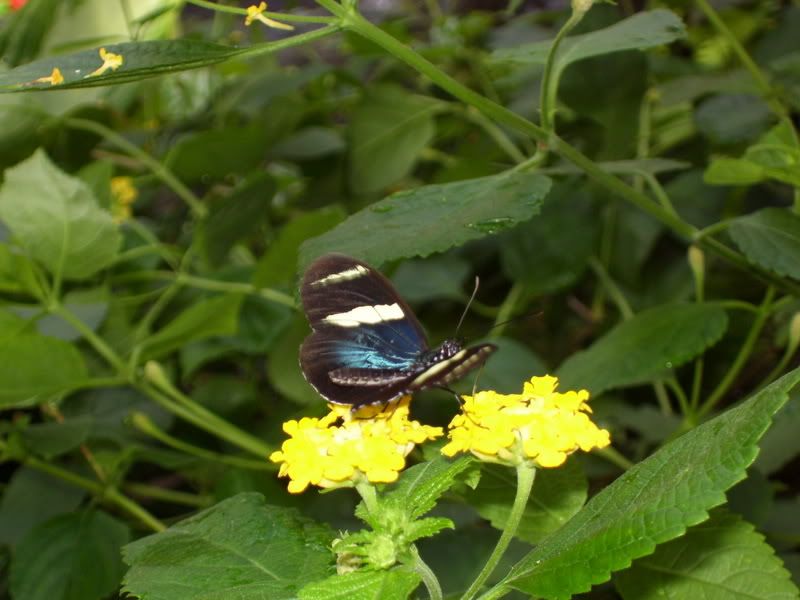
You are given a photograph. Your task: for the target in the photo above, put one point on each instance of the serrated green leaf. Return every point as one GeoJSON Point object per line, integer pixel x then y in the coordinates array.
{"type": "Point", "coordinates": [645, 347]}
{"type": "Point", "coordinates": [387, 132]}
{"type": "Point", "coordinates": [770, 238]}
{"type": "Point", "coordinates": [422, 485]}
{"type": "Point", "coordinates": [56, 219]}
{"type": "Point", "coordinates": [653, 502]}
{"type": "Point", "coordinates": [70, 557]}
{"type": "Point", "coordinates": [32, 497]}
{"type": "Point", "coordinates": [721, 559]}
{"type": "Point", "coordinates": [422, 528]}
{"type": "Point", "coordinates": [396, 584]}
{"type": "Point", "coordinates": [433, 218]}
{"type": "Point", "coordinates": [642, 30]}
{"type": "Point", "coordinates": [218, 315]}
{"type": "Point", "coordinates": [557, 495]}
{"type": "Point", "coordinates": [241, 548]}
{"type": "Point", "coordinates": [34, 368]}
{"type": "Point", "coordinates": [139, 60]}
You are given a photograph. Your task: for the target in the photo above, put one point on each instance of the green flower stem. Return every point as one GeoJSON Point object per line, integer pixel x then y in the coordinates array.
{"type": "Point", "coordinates": [613, 456]}
{"type": "Point", "coordinates": [525, 476]}
{"type": "Point", "coordinates": [498, 136]}
{"type": "Point", "coordinates": [164, 392]}
{"type": "Point", "coordinates": [93, 339]}
{"type": "Point", "coordinates": [744, 352]}
{"type": "Point", "coordinates": [107, 494]}
{"type": "Point", "coordinates": [295, 40]}
{"type": "Point", "coordinates": [549, 89]}
{"type": "Point", "coordinates": [368, 494]}
{"type": "Point", "coordinates": [212, 285]}
{"type": "Point", "coordinates": [427, 575]}
{"type": "Point", "coordinates": [144, 424]}
{"type": "Point", "coordinates": [507, 309]}
{"type": "Point", "coordinates": [612, 289]}
{"type": "Point", "coordinates": [165, 495]}
{"type": "Point", "coordinates": [788, 353]}
{"type": "Point", "coordinates": [683, 401]}
{"type": "Point", "coordinates": [159, 170]}
{"type": "Point", "coordinates": [222, 8]}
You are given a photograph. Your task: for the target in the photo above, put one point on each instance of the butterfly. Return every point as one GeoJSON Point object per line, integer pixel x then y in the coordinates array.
{"type": "Point", "coordinates": [367, 347]}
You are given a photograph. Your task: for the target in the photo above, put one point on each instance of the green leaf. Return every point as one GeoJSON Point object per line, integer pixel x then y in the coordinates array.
{"type": "Point", "coordinates": [422, 485]}
{"type": "Point", "coordinates": [56, 219]}
{"type": "Point", "coordinates": [642, 30]}
{"type": "Point", "coordinates": [732, 118]}
{"type": "Point", "coordinates": [733, 171]}
{"type": "Point", "coordinates": [34, 368]}
{"type": "Point", "coordinates": [283, 367]}
{"type": "Point", "coordinates": [17, 273]}
{"type": "Point", "coordinates": [387, 132]}
{"type": "Point", "coordinates": [140, 60]}
{"type": "Point", "coordinates": [279, 263]}
{"type": "Point", "coordinates": [89, 305]}
{"type": "Point", "coordinates": [214, 316]}
{"type": "Point", "coordinates": [70, 557]}
{"type": "Point", "coordinates": [396, 584]}
{"type": "Point", "coordinates": [645, 347]}
{"type": "Point", "coordinates": [32, 497]}
{"type": "Point", "coordinates": [433, 218]}
{"type": "Point", "coordinates": [53, 439]}
{"type": "Point", "coordinates": [721, 559]}
{"type": "Point", "coordinates": [781, 443]}
{"type": "Point", "coordinates": [651, 503]}
{"type": "Point", "coordinates": [508, 369]}
{"type": "Point", "coordinates": [770, 238]}
{"type": "Point", "coordinates": [241, 548]}
{"type": "Point", "coordinates": [437, 277]}
{"type": "Point", "coordinates": [557, 495]}
{"type": "Point", "coordinates": [236, 216]}
{"type": "Point", "coordinates": [310, 143]}
{"type": "Point", "coordinates": [551, 252]}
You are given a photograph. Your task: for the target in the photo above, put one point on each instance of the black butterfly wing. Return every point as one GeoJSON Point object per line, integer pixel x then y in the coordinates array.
{"type": "Point", "coordinates": [365, 341]}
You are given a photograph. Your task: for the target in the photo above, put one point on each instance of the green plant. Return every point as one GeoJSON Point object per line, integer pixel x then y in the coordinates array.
{"type": "Point", "coordinates": [634, 217]}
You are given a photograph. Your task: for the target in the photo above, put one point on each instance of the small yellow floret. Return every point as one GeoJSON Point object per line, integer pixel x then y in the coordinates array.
{"type": "Point", "coordinates": [256, 13]}
{"type": "Point", "coordinates": [539, 426]}
{"type": "Point", "coordinates": [342, 449]}
{"type": "Point", "coordinates": [110, 61]}
{"type": "Point", "coordinates": [54, 78]}
{"type": "Point", "coordinates": [123, 195]}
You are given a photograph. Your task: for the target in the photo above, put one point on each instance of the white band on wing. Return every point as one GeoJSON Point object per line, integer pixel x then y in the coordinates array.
{"type": "Point", "coordinates": [366, 315]}
{"type": "Point", "coordinates": [347, 275]}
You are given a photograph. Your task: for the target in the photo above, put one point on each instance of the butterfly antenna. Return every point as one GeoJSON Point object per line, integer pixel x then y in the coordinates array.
{"type": "Point", "coordinates": [466, 308]}
{"type": "Point", "coordinates": [517, 318]}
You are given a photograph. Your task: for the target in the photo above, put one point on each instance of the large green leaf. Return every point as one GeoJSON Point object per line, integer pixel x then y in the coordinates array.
{"type": "Point", "coordinates": [396, 584]}
{"type": "Point", "coordinates": [387, 132]}
{"type": "Point", "coordinates": [241, 548]}
{"type": "Point", "coordinates": [56, 219]}
{"type": "Point", "coordinates": [653, 502]}
{"type": "Point", "coordinates": [34, 368]}
{"type": "Point", "coordinates": [557, 495]}
{"type": "Point", "coordinates": [433, 218]}
{"type": "Point", "coordinates": [642, 30]}
{"type": "Point", "coordinates": [70, 557]}
{"type": "Point", "coordinates": [770, 238]}
{"type": "Point", "coordinates": [421, 486]}
{"type": "Point", "coordinates": [214, 316]}
{"type": "Point", "coordinates": [721, 559]}
{"type": "Point", "coordinates": [645, 347]}
{"type": "Point", "coordinates": [139, 60]}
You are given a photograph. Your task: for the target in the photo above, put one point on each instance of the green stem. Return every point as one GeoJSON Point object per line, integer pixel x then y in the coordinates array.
{"type": "Point", "coordinates": [108, 494]}
{"type": "Point", "coordinates": [158, 493]}
{"type": "Point", "coordinates": [791, 348]}
{"type": "Point", "coordinates": [741, 357]}
{"type": "Point", "coordinates": [497, 135]}
{"type": "Point", "coordinates": [612, 289]}
{"type": "Point", "coordinates": [222, 8]}
{"type": "Point", "coordinates": [525, 477]}
{"type": "Point", "coordinates": [368, 494]}
{"type": "Point", "coordinates": [428, 576]}
{"type": "Point", "coordinates": [93, 339]}
{"type": "Point", "coordinates": [549, 90]}
{"type": "Point", "coordinates": [144, 424]}
{"type": "Point", "coordinates": [159, 170]}
{"type": "Point", "coordinates": [507, 309]}
{"type": "Point", "coordinates": [290, 42]}
{"type": "Point", "coordinates": [613, 456]}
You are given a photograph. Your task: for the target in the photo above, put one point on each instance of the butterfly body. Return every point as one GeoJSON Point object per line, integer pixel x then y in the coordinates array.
{"type": "Point", "coordinates": [367, 347]}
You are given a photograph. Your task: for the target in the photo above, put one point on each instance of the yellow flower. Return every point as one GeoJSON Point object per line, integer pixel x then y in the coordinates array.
{"type": "Point", "coordinates": [54, 78]}
{"type": "Point", "coordinates": [539, 426]}
{"type": "Point", "coordinates": [256, 13]}
{"type": "Point", "coordinates": [123, 195]}
{"type": "Point", "coordinates": [110, 61]}
{"type": "Point", "coordinates": [342, 448]}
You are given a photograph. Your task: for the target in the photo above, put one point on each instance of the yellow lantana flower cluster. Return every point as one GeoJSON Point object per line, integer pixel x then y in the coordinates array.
{"type": "Point", "coordinates": [540, 425]}
{"type": "Point", "coordinates": [343, 448]}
